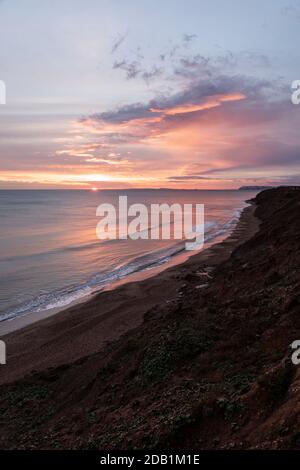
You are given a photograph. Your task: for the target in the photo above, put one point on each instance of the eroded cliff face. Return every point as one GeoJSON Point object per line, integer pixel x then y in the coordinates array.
{"type": "Point", "coordinates": [210, 369]}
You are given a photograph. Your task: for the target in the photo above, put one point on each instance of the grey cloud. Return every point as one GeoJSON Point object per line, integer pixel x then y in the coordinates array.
{"type": "Point", "coordinates": [187, 38]}
{"type": "Point", "coordinates": [202, 89]}
{"type": "Point", "coordinates": [178, 64]}
{"type": "Point", "coordinates": [193, 65]}
{"type": "Point", "coordinates": [193, 94]}
{"type": "Point", "coordinates": [147, 75]}
{"type": "Point", "coordinates": [132, 69]}
{"type": "Point", "coordinates": [117, 42]}
{"type": "Point", "coordinates": [125, 113]}
{"type": "Point", "coordinates": [291, 10]}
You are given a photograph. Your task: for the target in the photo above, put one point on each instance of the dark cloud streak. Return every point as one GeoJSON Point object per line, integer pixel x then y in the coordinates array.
{"type": "Point", "coordinates": [117, 42]}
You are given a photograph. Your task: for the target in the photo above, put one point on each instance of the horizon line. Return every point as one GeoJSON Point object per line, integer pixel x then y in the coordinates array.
{"type": "Point", "coordinates": [246, 187]}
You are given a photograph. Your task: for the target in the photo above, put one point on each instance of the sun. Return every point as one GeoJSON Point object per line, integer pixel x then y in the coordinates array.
{"type": "Point", "coordinates": [94, 189]}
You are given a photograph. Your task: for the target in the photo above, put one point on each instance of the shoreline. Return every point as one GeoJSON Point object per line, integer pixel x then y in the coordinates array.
{"type": "Point", "coordinates": [16, 323]}
{"type": "Point", "coordinates": [86, 327]}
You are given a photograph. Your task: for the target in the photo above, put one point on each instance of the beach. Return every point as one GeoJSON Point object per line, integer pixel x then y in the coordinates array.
{"type": "Point", "coordinates": [68, 335]}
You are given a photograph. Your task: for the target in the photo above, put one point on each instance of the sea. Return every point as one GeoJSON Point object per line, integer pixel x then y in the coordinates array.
{"type": "Point", "coordinates": [50, 255]}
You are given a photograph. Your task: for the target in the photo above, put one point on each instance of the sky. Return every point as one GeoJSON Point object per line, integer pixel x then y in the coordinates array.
{"type": "Point", "coordinates": [140, 93]}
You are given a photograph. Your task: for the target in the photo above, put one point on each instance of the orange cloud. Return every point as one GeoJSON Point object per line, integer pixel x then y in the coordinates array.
{"type": "Point", "coordinates": [210, 102]}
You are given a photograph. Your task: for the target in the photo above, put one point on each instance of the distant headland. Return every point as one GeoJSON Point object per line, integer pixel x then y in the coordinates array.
{"type": "Point", "coordinates": [254, 188]}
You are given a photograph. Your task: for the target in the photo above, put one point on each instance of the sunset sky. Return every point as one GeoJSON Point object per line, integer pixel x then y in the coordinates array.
{"type": "Point", "coordinates": [148, 93]}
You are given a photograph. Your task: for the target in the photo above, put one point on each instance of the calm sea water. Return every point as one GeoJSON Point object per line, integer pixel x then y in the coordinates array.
{"type": "Point", "coordinates": [50, 254]}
